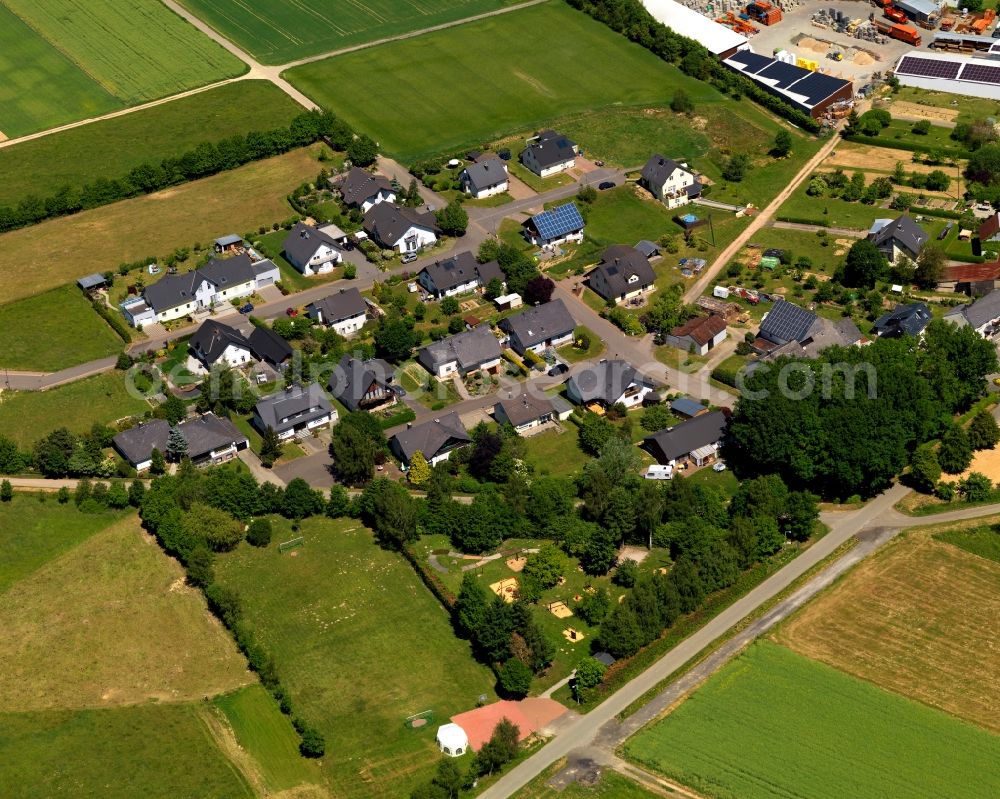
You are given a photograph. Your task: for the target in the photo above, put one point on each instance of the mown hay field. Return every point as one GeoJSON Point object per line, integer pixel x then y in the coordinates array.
{"type": "Point", "coordinates": [773, 723]}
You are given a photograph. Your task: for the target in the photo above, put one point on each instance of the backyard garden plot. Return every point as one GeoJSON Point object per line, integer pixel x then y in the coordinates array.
{"type": "Point", "coordinates": [156, 751]}
{"type": "Point", "coordinates": [112, 147]}
{"type": "Point", "coordinates": [361, 645]}
{"type": "Point", "coordinates": [157, 224]}
{"type": "Point", "coordinates": [136, 51]}
{"type": "Point", "coordinates": [773, 723]}
{"type": "Point", "coordinates": [921, 618]}
{"type": "Point", "coordinates": [111, 622]}
{"type": "Point", "coordinates": [278, 31]}
{"type": "Point", "coordinates": [40, 87]}
{"type": "Point", "coordinates": [64, 319]}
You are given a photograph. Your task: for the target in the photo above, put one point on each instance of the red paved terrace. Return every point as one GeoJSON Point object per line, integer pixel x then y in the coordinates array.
{"type": "Point", "coordinates": [530, 715]}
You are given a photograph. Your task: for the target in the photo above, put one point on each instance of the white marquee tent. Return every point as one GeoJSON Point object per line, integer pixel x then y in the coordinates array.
{"type": "Point", "coordinates": [452, 740]}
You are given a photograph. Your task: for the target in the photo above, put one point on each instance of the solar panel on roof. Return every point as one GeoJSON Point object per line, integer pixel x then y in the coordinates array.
{"type": "Point", "coordinates": [981, 73]}
{"type": "Point", "coordinates": [788, 322]}
{"type": "Point", "coordinates": [558, 222]}
{"type": "Point", "coordinates": [928, 68]}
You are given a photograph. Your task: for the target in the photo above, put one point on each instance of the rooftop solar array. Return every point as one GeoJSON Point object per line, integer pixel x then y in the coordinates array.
{"type": "Point", "coordinates": [558, 222]}
{"type": "Point", "coordinates": [928, 68]}
{"type": "Point", "coordinates": [787, 322]}
{"type": "Point", "coordinates": [981, 73]}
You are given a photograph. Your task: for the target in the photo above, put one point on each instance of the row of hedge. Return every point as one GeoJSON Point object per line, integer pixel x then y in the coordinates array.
{"type": "Point", "coordinates": [114, 320]}
{"type": "Point", "coordinates": [205, 159]}
{"type": "Point", "coordinates": [897, 144]}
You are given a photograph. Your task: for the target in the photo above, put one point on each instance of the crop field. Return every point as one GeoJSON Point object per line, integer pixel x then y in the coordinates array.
{"type": "Point", "coordinates": [51, 92]}
{"type": "Point", "coordinates": [125, 629]}
{"type": "Point", "coordinates": [361, 644]}
{"type": "Point", "coordinates": [775, 724]}
{"type": "Point", "coordinates": [983, 541]}
{"type": "Point", "coordinates": [156, 751]}
{"type": "Point", "coordinates": [921, 618]}
{"type": "Point", "coordinates": [26, 416]}
{"type": "Point", "coordinates": [154, 225]}
{"type": "Point", "coordinates": [32, 533]}
{"type": "Point", "coordinates": [63, 318]}
{"type": "Point", "coordinates": [278, 31]}
{"type": "Point", "coordinates": [136, 51]}
{"type": "Point", "coordinates": [111, 147]}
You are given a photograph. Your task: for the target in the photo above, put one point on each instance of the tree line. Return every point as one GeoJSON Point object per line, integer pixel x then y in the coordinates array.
{"type": "Point", "coordinates": [207, 158]}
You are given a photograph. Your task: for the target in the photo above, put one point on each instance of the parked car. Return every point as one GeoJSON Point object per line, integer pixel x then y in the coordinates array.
{"type": "Point", "coordinates": [947, 229]}
{"type": "Point", "coordinates": [558, 369]}
{"type": "Point", "coordinates": [409, 258]}
{"type": "Point", "coordinates": [604, 185]}
{"type": "Point", "coordinates": [291, 312]}
{"type": "Point", "coordinates": [246, 308]}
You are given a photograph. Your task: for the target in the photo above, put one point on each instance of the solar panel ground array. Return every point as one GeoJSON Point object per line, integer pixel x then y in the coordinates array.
{"type": "Point", "coordinates": [279, 31]}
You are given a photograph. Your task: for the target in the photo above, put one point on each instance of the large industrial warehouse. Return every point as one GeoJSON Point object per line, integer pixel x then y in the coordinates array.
{"type": "Point", "coordinates": [951, 72]}
{"type": "Point", "coordinates": [687, 22]}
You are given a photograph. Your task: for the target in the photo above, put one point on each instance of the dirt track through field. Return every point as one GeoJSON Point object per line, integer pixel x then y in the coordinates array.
{"type": "Point", "coordinates": [922, 619]}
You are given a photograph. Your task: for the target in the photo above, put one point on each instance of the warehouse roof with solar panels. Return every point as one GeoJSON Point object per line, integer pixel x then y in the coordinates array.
{"type": "Point", "coordinates": [947, 72]}
{"type": "Point", "coordinates": [810, 92]}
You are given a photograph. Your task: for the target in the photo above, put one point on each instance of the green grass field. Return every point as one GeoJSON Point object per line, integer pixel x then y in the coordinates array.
{"type": "Point", "coordinates": [983, 541]}
{"type": "Point", "coordinates": [156, 751]}
{"type": "Point", "coordinates": [611, 785]}
{"type": "Point", "coordinates": [26, 416]}
{"type": "Point", "coordinates": [269, 738]}
{"type": "Point", "coordinates": [32, 533]}
{"type": "Point", "coordinates": [773, 723]}
{"type": "Point", "coordinates": [278, 31]}
{"type": "Point", "coordinates": [136, 51]}
{"type": "Point", "coordinates": [361, 644]}
{"type": "Point", "coordinates": [62, 318]}
{"type": "Point", "coordinates": [51, 91]}
{"type": "Point", "coordinates": [438, 91]}
{"type": "Point", "coordinates": [112, 147]}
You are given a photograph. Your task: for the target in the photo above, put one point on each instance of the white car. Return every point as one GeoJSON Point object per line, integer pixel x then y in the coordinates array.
{"type": "Point", "coordinates": [718, 466]}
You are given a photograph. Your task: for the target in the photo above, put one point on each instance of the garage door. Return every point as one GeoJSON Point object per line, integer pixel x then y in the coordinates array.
{"type": "Point", "coordinates": [265, 281]}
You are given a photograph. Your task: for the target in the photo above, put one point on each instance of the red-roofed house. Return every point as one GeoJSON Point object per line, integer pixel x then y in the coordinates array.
{"type": "Point", "coordinates": [989, 228]}
{"type": "Point", "coordinates": [699, 335]}
{"type": "Point", "coordinates": [971, 278]}
{"type": "Point", "coordinates": [530, 715]}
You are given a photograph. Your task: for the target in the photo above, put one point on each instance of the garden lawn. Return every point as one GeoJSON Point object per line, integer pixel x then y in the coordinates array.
{"type": "Point", "coordinates": [487, 79]}
{"type": "Point", "coordinates": [157, 224]}
{"type": "Point", "coordinates": [137, 51]}
{"type": "Point", "coordinates": [27, 416]}
{"type": "Point", "coordinates": [111, 622]}
{"type": "Point", "coordinates": [361, 644]}
{"type": "Point", "coordinates": [773, 723]}
{"type": "Point", "coordinates": [41, 87]}
{"type": "Point", "coordinates": [72, 332]}
{"type": "Point", "coordinates": [556, 452]}
{"type": "Point", "coordinates": [278, 31]}
{"type": "Point", "coordinates": [156, 751]}
{"type": "Point", "coordinates": [111, 147]}
{"type": "Point", "coordinates": [32, 533]}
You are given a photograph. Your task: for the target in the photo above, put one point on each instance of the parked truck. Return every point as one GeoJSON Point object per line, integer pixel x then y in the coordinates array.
{"type": "Point", "coordinates": [905, 33]}
{"type": "Point", "coordinates": [895, 14]}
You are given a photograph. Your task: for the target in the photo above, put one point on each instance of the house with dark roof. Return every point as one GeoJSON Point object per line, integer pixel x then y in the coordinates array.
{"type": "Point", "coordinates": [210, 440]}
{"type": "Point", "coordinates": [524, 412]}
{"type": "Point", "coordinates": [608, 383]}
{"type": "Point", "coordinates": [989, 228]}
{"type": "Point", "coordinates": [297, 409]}
{"type": "Point", "coordinates": [903, 320]}
{"type": "Point", "coordinates": [238, 277]}
{"type": "Point", "coordinates": [361, 189]}
{"type": "Point", "coordinates": [898, 237]}
{"type": "Point", "coordinates": [363, 385]}
{"type": "Point", "coordinates": [788, 329]}
{"type": "Point", "coordinates": [699, 335]}
{"type": "Point", "coordinates": [401, 229]}
{"type": "Point", "coordinates": [983, 315]}
{"type": "Point", "coordinates": [269, 347]}
{"type": "Point", "coordinates": [541, 327]}
{"type": "Point", "coordinates": [345, 311]}
{"type": "Point", "coordinates": [310, 250]}
{"type": "Point", "coordinates": [435, 440]}
{"type": "Point", "coordinates": [464, 353]}
{"type": "Point", "coordinates": [458, 274]}
{"type": "Point", "coordinates": [670, 181]}
{"type": "Point", "coordinates": [549, 152]}
{"type": "Point", "coordinates": [695, 440]}
{"type": "Point", "coordinates": [622, 274]}
{"type": "Point", "coordinates": [484, 178]}
{"type": "Point", "coordinates": [216, 344]}
{"type": "Point", "coordinates": [551, 228]}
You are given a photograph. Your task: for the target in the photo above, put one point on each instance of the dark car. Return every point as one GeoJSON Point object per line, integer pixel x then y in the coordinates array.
{"type": "Point", "coordinates": [947, 229]}
{"type": "Point", "coordinates": [558, 369]}
{"type": "Point", "coordinates": [247, 308]}
{"type": "Point", "coordinates": [604, 185]}
{"type": "Point", "coordinates": [291, 312]}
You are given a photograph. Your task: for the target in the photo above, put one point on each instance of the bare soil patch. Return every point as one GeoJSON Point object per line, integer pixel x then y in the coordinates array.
{"type": "Point", "coordinates": [851, 155]}
{"type": "Point", "coordinates": [921, 618]}
{"type": "Point", "coordinates": [985, 461]}
{"type": "Point", "coordinates": [902, 108]}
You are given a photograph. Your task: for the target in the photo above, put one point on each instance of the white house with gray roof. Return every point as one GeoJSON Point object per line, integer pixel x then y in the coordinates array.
{"type": "Point", "coordinates": [464, 353]}
{"type": "Point", "coordinates": [458, 274]}
{"type": "Point", "coordinates": [983, 315]}
{"type": "Point", "coordinates": [610, 383]}
{"type": "Point", "coordinates": [297, 409]}
{"type": "Point", "coordinates": [401, 229]}
{"type": "Point", "coordinates": [484, 178]}
{"type": "Point", "coordinates": [622, 274]}
{"type": "Point", "coordinates": [435, 440]}
{"type": "Point", "coordinates": [210, 440]}
{"type": "Point", "coordinates": [548, 325]}
{"type": "Point", "coordinates": [344, 311]}
{"type": "Point", "coordinates": [311, 251]}
{"type": "Point", "coordinates": [898, 237]}
{"type": "Point", "coordinates": [216, 344]}
{"type": "Point", "coordinates": [361, 189]}
{"type": "Point", "coordinates": [671, 182]}
{"type": "Point", "coordinates": [548, 153]}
